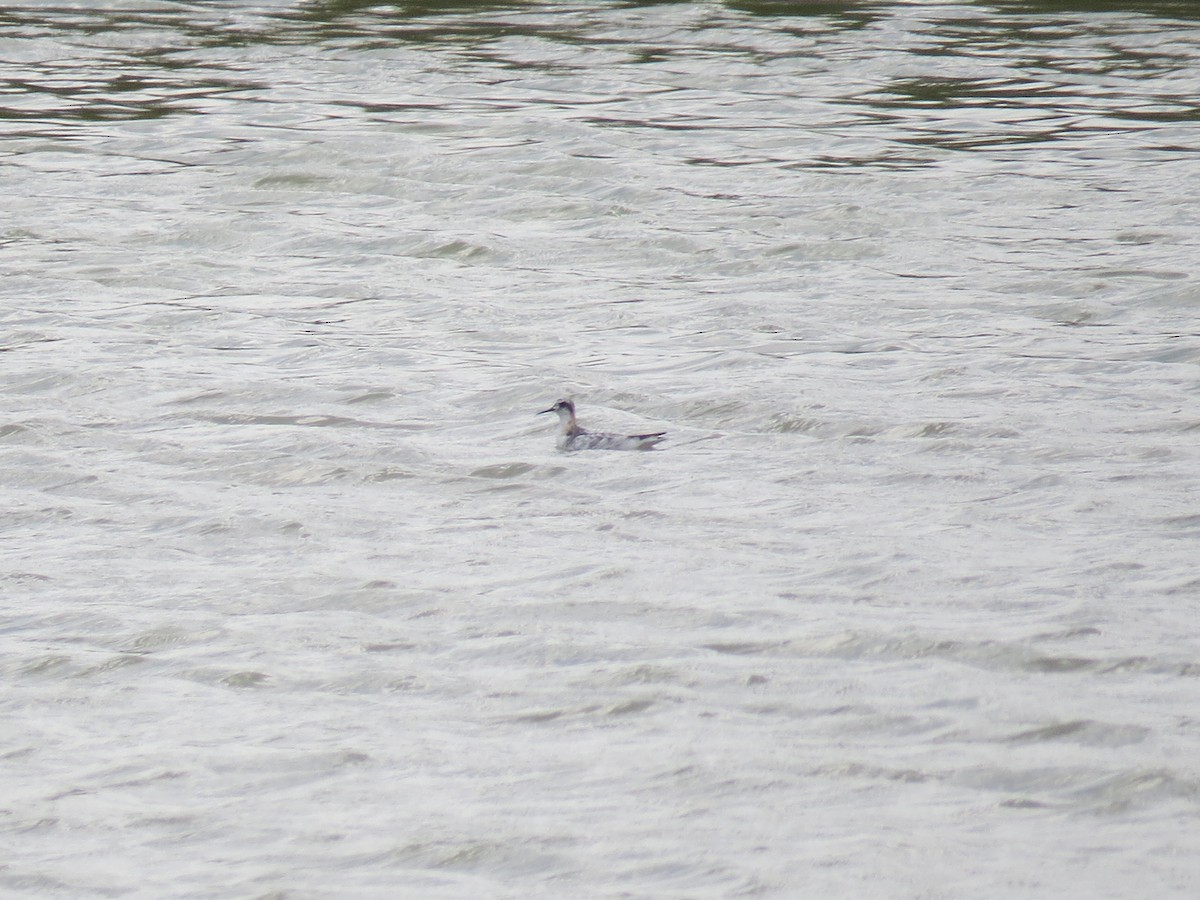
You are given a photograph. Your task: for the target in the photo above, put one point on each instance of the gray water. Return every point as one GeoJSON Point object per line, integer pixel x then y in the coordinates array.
{"type": "Point", "coordinates": [299, 599]}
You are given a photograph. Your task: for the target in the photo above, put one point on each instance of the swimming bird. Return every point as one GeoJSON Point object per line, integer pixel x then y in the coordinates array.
{"type": "Point", "coordinates": [574, 437]}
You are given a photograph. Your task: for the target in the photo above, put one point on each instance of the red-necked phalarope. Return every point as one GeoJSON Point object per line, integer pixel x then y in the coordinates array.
{"type": "Point", "coordinates": [572, 437]}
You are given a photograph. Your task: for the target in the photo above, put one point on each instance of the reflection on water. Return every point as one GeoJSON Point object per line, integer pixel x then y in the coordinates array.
{"type": "Point", "coordinates": [1014, 74]}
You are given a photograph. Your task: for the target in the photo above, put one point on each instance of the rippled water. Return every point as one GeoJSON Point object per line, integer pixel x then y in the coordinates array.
{"type": "Point", "coordinates": [299, 599]}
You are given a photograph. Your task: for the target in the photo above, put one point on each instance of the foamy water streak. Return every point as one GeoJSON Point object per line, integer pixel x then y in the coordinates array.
{"type": "Point", "coordinates": [300, 599]}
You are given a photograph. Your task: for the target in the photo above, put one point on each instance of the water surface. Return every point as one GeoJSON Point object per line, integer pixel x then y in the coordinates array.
{"type": "Point", "coordinates": [301, 601]}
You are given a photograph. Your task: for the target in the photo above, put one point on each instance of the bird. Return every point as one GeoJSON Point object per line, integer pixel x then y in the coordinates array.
{"type": "Point", "coordinates": [574, 437]}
